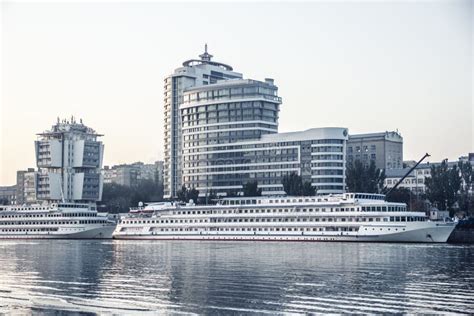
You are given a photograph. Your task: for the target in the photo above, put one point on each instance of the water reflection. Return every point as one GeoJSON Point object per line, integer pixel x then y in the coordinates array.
{"type": "Point", "coordinates": [207, 277]}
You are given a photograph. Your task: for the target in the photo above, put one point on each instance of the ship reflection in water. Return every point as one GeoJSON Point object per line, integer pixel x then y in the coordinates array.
{"type": "Point", "coordinates": [127, 277]}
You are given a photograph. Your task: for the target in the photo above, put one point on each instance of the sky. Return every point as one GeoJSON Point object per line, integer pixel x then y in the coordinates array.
{"type": "Point", "coordinates": [369, 66]}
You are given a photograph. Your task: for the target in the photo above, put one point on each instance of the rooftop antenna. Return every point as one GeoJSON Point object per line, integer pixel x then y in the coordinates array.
{"type": "Point", "coordinates": [206, 56]}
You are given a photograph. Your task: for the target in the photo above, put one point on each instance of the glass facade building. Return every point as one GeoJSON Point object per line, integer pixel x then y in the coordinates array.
{"type": "Point", "coordinates": [318, 155]}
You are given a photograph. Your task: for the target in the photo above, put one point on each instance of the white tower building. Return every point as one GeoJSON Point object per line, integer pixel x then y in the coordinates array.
{"type": "Point", "coordinates": [69, 159]}
{"type": "Point", "coordinates": [194, 73]}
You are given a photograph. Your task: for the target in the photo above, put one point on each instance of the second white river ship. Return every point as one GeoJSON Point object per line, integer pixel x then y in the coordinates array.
{"type": "Point", "coordinates": [345, 217]}
{"type": "Point", "coordinates": [54, 221]}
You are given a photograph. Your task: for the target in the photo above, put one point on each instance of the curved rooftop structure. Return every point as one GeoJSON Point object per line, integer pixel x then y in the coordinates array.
{"type": "Point", "coordinates": [206, 59]}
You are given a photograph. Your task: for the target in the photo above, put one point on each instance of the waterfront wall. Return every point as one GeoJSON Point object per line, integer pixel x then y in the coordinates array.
{"type": "Point", "coordinates": [462, 235]}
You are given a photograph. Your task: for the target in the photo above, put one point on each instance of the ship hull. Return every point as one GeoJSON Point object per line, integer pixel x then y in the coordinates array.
{"type": "Point", "coordinates": [431, 234]}
{"type": "Point", "coordinates": [104, 232]}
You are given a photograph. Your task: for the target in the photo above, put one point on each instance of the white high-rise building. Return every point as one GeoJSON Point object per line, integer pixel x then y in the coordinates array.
{"type": "Point", "coordinates": [69, 159]}
{"type": "Point", "coordinates": [194, 73]}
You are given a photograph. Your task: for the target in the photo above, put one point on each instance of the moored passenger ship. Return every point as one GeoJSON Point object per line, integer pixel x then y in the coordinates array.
{"type": "Point", "coordinates": [54, 221]}
{"type": "Point", "coordinates": [345, 217]}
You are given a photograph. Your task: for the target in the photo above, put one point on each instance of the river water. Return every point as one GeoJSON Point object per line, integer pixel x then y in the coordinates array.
{"type": "Point", "coordinates": [146, 277]}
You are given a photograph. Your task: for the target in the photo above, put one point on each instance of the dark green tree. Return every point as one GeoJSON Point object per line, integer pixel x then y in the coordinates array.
{"type": "Point", "coordinates": [293, 184]}
{"type": "Point", "coordinates": [118, 198]}
{"type": "Point", "coordinates": [146, 191]}
{"type": "Point", "coordinates": [404, 195]}
{"type": "Point", "coordinates": [183, 194]}
{"type": "Point", "coordinates": [308, 189]}
{"type": "Point", "coordinates": [193, 194]}
{"type": "Point", "coordinates": [443, 185]}
{"type": "Point", "coordinates": [251, 189]}
{"type": "Point", "coordinates": [186, 194]}
{"type": "Point", "coordinates": [465, 195]}
{"type": "Point", "coordinates": [363, 178]}
{"type": "Point", "coordinates": [400, 195]}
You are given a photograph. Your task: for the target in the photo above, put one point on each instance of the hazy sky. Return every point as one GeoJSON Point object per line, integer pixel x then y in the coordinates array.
{"type": "Point", "coordinates": [369, 66]}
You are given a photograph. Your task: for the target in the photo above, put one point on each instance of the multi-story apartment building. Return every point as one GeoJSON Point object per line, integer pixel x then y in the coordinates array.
{"type": "Point", "coordinates": [131, 174]}
{"type": "Point", "coordinates": [125, 174]}
{"type": "Point", "coordinates": [69, 159]}
{"type": "Point", "coordinates": [26, 186]}
{"type": "Point", "coordinates": [221, 131]}
{"type": "Point", "coordinates": [385, 149]}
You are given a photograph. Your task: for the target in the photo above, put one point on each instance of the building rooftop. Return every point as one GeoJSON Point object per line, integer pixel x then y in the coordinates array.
{"type": "Point", "coordinates": [206, 59]}
{"type": "Point", "coordinates": [398, 173]}
{"type": "Point", "coordinates": [230, 82]}
{"type": "Point", "coordinates": [65, 125]}
{"type": "Point", "coordinates": [309, 134]}
{"type": "Point", "coordinates": [389, 135]}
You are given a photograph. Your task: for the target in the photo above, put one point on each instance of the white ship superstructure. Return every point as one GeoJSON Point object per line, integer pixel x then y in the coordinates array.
{"type": "Point", "coordinates": [345, 217]}
{"type": "Point", "coordinates": [54, 221]}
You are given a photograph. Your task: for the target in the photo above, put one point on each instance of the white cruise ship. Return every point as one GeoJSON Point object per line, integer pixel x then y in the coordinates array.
{"type": "Point", "coordinates": [61, 221]}
{"type": "Point", "coordinates": [345, 217]}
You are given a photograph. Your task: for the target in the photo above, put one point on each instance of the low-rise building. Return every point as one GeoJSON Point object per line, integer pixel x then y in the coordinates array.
{"type": "Point", "coordinates": [26, 181]}
{"type": "Point", "coordinates": [8, 195]}
{"type": "Point", "coordinates": [385, 149]}
{"type": "Point", "coordinates": [131, 174]}
{"type": "Point", "coordinates": [437, 215]}
{"type": "Point", "coordinates": [415, 181]}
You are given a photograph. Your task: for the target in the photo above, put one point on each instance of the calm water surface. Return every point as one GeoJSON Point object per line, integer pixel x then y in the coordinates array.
{"type": "Point", "coordinates": [146, 277]}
